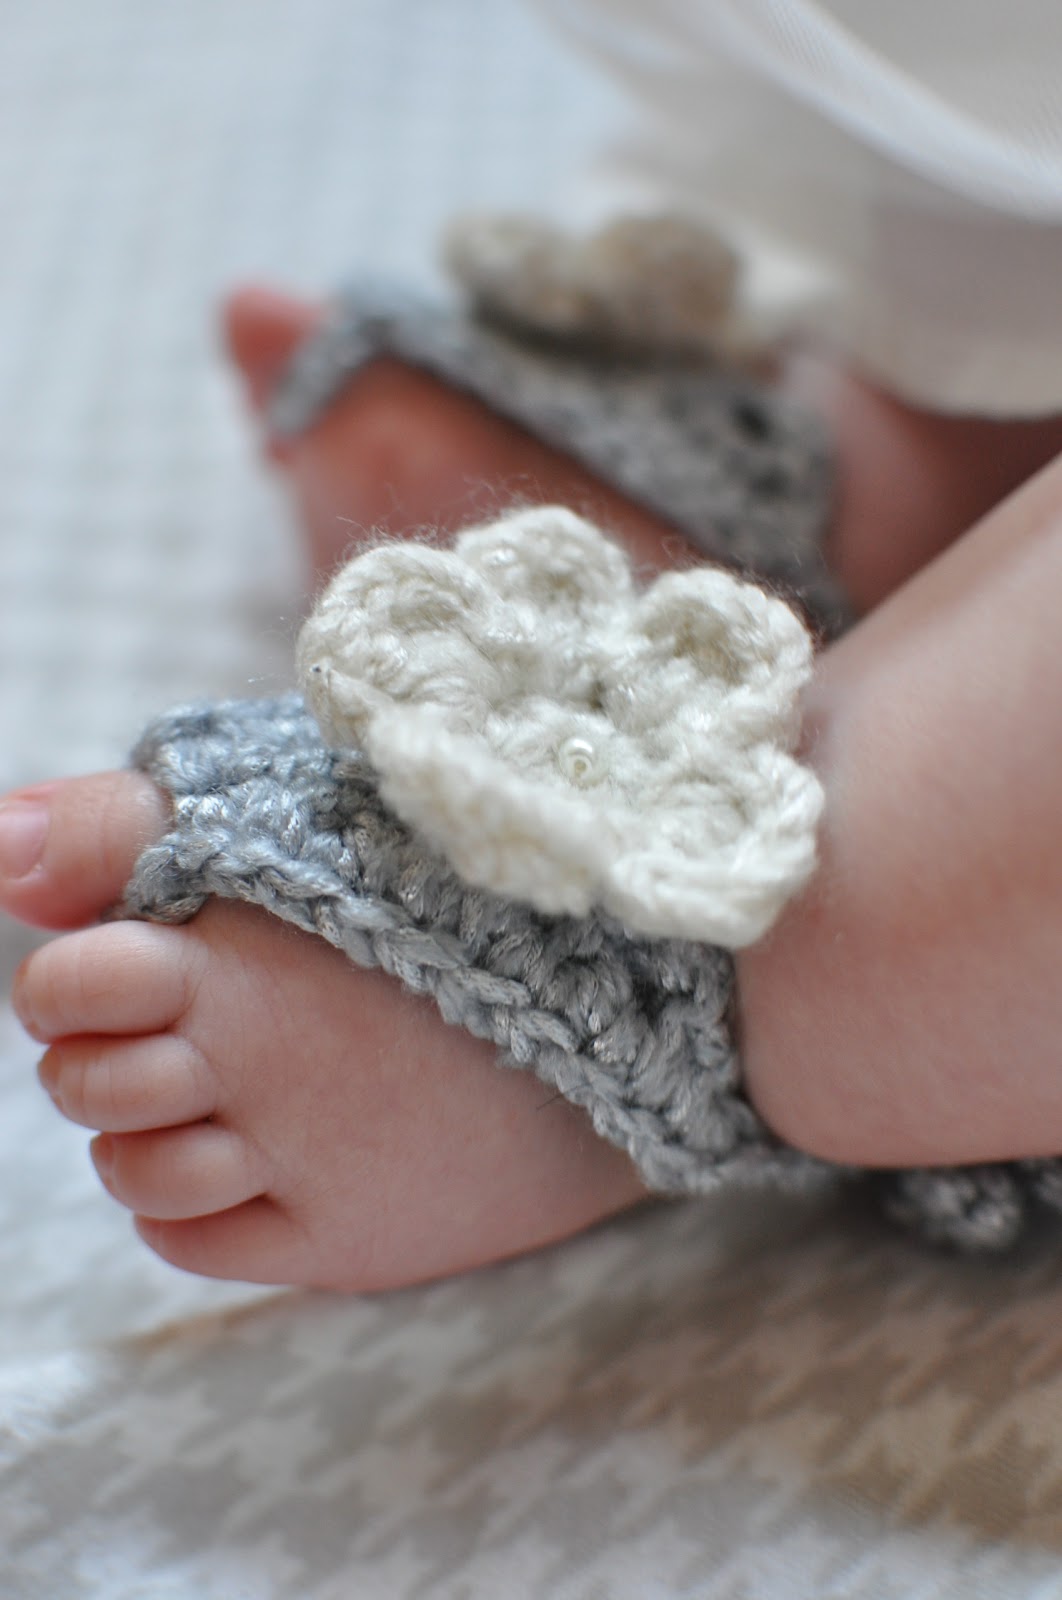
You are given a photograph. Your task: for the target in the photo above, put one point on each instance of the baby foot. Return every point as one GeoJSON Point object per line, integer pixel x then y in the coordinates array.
{"type": "Point", "coordinates": [269, 1112]}
{"type": "Point", "coordinates": [400, 451]}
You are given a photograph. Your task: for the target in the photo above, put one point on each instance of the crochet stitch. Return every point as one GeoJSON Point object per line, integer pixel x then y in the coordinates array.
{"type": "Point", "coordinates": [566, 739]}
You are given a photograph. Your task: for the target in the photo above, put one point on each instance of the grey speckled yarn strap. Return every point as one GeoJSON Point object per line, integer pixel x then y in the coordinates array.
{"type": "Point", "coordinates": [638, 1032]}
{"type": "Point", "coordinates": [746, 476]}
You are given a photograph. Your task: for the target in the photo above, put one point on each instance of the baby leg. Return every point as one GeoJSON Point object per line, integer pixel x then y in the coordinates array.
{"type": "Point", "coordinates": [906, 1009]}
{"type": "Point", "coordinates": [910, 481]}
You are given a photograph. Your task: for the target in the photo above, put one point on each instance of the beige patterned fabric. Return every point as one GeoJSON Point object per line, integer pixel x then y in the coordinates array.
{"type": "Point", "coordinates": [739, 1400]}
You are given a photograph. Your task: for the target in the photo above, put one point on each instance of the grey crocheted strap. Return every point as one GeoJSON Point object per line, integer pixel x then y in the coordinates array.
{"type": "Point", "coordinates": [746, 476]}
{"type": "Point", "coordinates": [635, 1031]}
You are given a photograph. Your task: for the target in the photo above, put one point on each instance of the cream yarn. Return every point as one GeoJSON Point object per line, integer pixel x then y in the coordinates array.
{"type": "Point", "coordinates": [643, 284]}
{"type": "Point", "coordinates": [564, 738]}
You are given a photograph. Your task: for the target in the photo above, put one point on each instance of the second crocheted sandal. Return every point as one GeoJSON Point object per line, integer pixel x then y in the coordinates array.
{"type": "Point", "coordinates": [616, 351]}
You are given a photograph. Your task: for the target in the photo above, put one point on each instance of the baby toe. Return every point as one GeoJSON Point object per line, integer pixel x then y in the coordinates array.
{"type": "Point", "coordinates": [172, 1173]}
{"type": "Point", "coordinates": [122, 978]}
{"type": "Point", "coordinates": [262, 329]}
{"type": "Point", "coordinates": [256, 1242]}
{"type": "Point", "coordinates": [68, 849]}
{"type": "Point", "coordinates": [129, 1085]}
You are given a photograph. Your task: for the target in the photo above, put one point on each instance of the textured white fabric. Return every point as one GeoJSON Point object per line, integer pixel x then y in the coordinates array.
{"type": "Point", "coordinates": [893, 171]}
{"type": "Point", "coordinates": [567, 740]}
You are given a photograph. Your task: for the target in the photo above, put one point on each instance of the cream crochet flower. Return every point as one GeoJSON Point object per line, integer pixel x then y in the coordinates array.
{"type": "Point", "coordinates": [567, 739]}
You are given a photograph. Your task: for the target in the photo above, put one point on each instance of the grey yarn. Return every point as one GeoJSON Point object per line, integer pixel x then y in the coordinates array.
{"type": "Point", "coordinates": [639, 1032]}
{"type": "Point", "coordinates": [984, 1207]}
{"type": "Point", "coordinates": [743, 474]}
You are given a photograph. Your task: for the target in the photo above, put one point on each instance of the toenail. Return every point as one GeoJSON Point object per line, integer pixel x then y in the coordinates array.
{"type": "Point", "coordinates": [23, 830]}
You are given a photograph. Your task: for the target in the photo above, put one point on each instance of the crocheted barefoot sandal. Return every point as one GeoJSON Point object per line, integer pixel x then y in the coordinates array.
{"type": "Point", "coordinates": [522, 774]}
{"type": "Point", "coordinates": [580, 362]}
{"type": "Point", "coordinates": [638, 1031]}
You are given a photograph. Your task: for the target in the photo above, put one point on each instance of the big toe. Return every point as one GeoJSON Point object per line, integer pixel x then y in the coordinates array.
{"type": "Point", "coordinates": [262, 329]}
{"type": "Point", "coordinates": [67, 849]}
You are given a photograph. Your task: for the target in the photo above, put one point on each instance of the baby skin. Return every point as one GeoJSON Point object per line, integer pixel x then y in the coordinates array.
{"type": "Point", "coordinates": [378, 1146]}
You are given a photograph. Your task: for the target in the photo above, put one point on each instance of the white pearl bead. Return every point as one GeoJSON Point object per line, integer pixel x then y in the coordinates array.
{"type": "Point", "coordinates": [580, 762]}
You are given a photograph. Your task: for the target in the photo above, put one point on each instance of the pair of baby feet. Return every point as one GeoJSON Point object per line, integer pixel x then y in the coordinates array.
{"type": "Point", "coordinates": [266, 1111]}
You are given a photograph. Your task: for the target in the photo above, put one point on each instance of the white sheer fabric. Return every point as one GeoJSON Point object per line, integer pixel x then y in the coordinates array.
{"type": "Point", "coordinates": [901, 158]}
